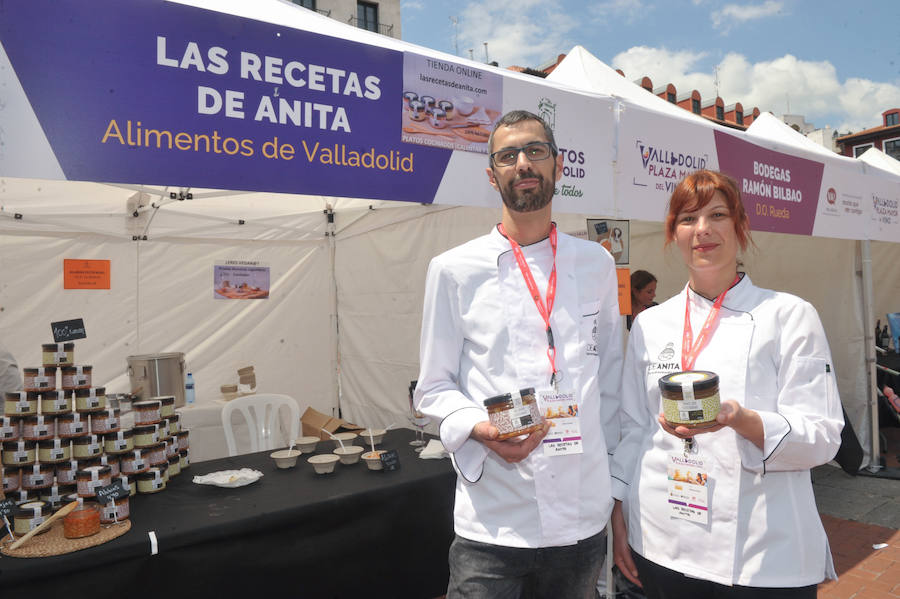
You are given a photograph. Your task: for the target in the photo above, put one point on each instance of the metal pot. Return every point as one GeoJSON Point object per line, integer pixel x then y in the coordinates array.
{"type": "Point", "coordinates": [152, 375]}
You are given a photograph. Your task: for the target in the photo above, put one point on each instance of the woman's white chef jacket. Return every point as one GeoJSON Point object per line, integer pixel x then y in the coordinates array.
{"type": "Point", "coordinates": [771, 355]}
{"type": "Point", "coordinates": [483, 336]}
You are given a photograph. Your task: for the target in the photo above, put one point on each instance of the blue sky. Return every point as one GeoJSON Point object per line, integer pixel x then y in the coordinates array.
{"type": "Point", "coordinates": [837, 62]}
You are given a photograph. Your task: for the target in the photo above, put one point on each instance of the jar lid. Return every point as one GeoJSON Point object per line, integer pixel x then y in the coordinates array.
{"type": "Point", "coordinates": [83, 367]}
{"type": "Point", "coordinates": [18, 445]}
{"type": "Point", "coordinates": [30, 508]}
{"type": "Point", "coordinates": [55, 346]}
{"type": "Point", "coordinates": [16, 395]}
{"type": "Point", "coordinates": [145, 428]}
{"type": "Point", "coordinates": [90, 470]}
{"type": "Point", "coordinates": [163, 399]}
{"type": "Point", "coordinates": [51, 443]}
{"type": "Point", "coordinates": [71, 417]}
{"type": "Point", "coordinates": [124, 434]}
{"type": "Point", "coordinates": [98, 391]}
{"type": "Point", "coordinates": [147, 403]}
{"type": "Point", "coordinates": [702, 380]}
{"type": "Point", "coordinates": [497, 399]}
{"type": "Point", "coordinates": [87, 440]}
{"type": "Point", "coordinates": [48, 370]}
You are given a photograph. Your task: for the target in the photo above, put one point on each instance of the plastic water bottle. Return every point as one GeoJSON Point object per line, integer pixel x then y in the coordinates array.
{"type": "Point", "coordinates": [189, 389]}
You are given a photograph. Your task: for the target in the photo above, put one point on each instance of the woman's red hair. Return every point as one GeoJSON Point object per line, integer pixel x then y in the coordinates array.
{"type": "Point", "coordinates": [697, 190]}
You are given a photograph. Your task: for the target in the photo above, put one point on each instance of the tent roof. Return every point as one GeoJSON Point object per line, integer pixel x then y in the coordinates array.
{"type": "Point", "coordinates": [583, 70]}
{"type": "Point", "coordinates": [879, 159]}
{"type": "Point", "coordinates": [769, 127]}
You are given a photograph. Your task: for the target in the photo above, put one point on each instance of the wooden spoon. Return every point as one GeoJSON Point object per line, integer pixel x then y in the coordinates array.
{"type": "Point", "coordinates": [62, 513]}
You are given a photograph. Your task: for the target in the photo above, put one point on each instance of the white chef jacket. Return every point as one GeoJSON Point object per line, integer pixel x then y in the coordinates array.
{"type": "Point", "coordinates": [482, 336]}
{"type": "Point", "coordinates": [10, 376]}
{"type": "Point", "coordinates": [770, 352]}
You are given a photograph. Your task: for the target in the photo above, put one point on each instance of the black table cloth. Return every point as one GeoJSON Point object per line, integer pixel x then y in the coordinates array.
{"type": "Point", "coordinates": [352, 533]}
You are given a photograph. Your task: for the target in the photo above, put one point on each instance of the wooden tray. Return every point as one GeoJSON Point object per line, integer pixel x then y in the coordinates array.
{"type": "Point", "coordinates": [53, 542]}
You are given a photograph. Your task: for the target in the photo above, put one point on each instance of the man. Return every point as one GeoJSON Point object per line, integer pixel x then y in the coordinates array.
{"type": "Point", "coordinates": [529, 515]}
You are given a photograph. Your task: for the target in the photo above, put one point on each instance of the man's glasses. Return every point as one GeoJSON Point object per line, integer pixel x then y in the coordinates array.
{"type": "Point", "coordinates": [537, 150]}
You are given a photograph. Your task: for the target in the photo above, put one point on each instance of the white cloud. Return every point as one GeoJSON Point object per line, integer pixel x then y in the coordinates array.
{"type": "Point", "coordinates": [411, 5]}
{"type": "Point", "coordinates": [811, 88]}
{"type": "Point", "coordinates": [739, 13]}
{"type": "Point", "coordinates": [629, 10]}
{"type": "Point", "coordinates": [534, 32]}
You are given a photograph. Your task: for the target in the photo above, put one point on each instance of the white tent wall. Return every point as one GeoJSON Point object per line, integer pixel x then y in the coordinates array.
{"type": "Point", "coordinates": [161, 297]}
{"type": "Point", "coordinates": [380, 276]}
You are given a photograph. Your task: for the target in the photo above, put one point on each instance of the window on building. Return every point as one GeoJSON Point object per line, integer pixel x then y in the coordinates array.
{"type": "Point", "coordinates": [720, 113]}
{"type": "Point", "coordinates": [367, 16]}
{"type": "Point", "coordinates": [739, 117]}
{"type": "Point", "coordinates": [892, 147]}
{"type": "Point", "coordinates": [695, 106]}
{"type": "Point", "coordinates": [858, 150]}
{"type": "Point", "coordinates": [670, 97]}
{"type": "Point", "coordinates": [310, 4]}
{"type": "Point", "coordinates": [891, 119]}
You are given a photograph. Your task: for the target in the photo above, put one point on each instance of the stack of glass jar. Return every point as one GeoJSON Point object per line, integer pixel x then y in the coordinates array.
{"type": "Point", "coordinates": [61, 441]}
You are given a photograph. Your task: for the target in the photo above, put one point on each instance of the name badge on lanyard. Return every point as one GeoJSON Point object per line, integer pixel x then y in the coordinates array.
{"type": "Point", "coordinates": [688, 488]}
{"type": "Point", "coordinates": [560, 409]}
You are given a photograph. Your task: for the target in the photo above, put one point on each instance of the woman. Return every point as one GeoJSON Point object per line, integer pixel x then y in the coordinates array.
{"type": "Point", "coordinates": [643, 290]}
{"type": "Point", "coordinates": [750, 528]}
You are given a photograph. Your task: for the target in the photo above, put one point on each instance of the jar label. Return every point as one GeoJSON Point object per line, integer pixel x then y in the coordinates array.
{"type": "Point", "coordinates": [56, 454]}
{"type": "Point", "coordinates": [60, 357]}
{"type": "Point", "coordinates": [61, 404]}
{"type": "Point", "coordinates": [20, 456]}
{"type": "Point", "coordinates": [23, 406]}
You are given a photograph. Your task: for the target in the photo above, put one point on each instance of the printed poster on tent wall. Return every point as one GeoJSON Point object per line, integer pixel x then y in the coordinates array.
{"type": "Point", "coordinates": [656, 151]}
{"type": "Point", "coordinates": [449, 105]}
{"type": "Point", "coordinates": [175, 95]}
{"type": "Point", "coordinates": [780, 191]}
{"type": "Point", "coordinates": [843, 210]}
{"type": "Point", "coordinates": [884, 205]}
{"type": "Point", "coordinates": [584, 137]}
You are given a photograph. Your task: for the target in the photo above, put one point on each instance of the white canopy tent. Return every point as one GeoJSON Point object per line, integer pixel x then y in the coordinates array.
{"type": "Point", "coordinates": [340, 328]}
{"type": "Point", "coordinates": [792, 263]}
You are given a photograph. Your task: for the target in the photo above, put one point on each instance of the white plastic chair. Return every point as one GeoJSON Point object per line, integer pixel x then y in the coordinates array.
{"type": "Point", "coordinates": [262, 411]}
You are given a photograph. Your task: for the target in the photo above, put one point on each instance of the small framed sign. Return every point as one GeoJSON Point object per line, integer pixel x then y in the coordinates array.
{"type": "Point", "coordinates": [68, 330]}
{"type": "Point", "coordinates": [110, 493]}
{"type": "Point", "coordinates": [390, 460]}
{"type": "Point", "coordinates": [7, 506]}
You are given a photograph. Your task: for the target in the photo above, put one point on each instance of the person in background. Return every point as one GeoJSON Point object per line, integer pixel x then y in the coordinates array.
{"type": "Point", "coordinates": [524, 307]}
{"type": "Point", "coordinates": [10, 376]}
{"type": "Point", "coordinates": [751, 528]}
{"type": "Point", "coordinates": [643, 291]}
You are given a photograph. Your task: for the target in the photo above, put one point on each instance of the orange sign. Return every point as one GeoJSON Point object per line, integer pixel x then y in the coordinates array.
{"type": "Point", "coordinates": [624, 276]}
{"type": "Point", "coordinates": [86, 274]}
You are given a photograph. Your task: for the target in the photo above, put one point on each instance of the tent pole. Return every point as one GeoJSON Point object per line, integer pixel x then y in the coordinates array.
{"type": "Point", "coordinates": [865, 250]}
{"type": "Point", "coordinates": [336, 357]}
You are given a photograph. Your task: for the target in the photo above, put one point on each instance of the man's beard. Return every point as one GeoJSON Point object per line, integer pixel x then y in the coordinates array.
{"type": "Point", "coordinates": [528, 200]}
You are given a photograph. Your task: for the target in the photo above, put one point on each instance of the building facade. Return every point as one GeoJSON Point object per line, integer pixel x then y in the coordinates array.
{"type": "Point", "coordinates": [380, 16]}
{"type": "Point", "coordinates": [885, 137]}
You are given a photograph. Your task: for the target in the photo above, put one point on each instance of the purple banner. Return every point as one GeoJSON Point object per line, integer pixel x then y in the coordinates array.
{"type": "Point", "coordinates": [780, 192]}
{"type": "Point", "coordinates": [159, 93]}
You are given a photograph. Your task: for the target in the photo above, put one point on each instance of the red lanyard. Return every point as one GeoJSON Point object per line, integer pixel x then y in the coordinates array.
{"type": "Point", "coordinates": [689, 350]}
{"type": "Point", "coordinates": [544, 310]}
